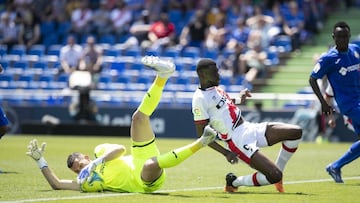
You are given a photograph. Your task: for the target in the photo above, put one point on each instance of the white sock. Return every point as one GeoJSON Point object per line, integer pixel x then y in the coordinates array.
{"type": "Point", "coordinates": [256, 179]}
{"type": "Point", "coordinates": [288, 148]}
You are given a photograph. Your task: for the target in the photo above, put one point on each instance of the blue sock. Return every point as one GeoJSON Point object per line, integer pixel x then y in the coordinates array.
{"type": "Point", "coordinates": [352, 154]}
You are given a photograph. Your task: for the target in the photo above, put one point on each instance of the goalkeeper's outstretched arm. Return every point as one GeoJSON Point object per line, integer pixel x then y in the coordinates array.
{"type": "Point", "coordinates": [59, 184]}
{"type": "Point", "coordinates": [36, 153]}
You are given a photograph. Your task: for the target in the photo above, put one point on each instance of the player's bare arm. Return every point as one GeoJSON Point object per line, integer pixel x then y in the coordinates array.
{"type": "Point", "coordinates": [242, 96]}
{"type": "Point", "coordinates": [59, 184]}
{"type": "Point", "coordinates": [325, 107]}
{"type": "Point", "coordinates": [231, 157]}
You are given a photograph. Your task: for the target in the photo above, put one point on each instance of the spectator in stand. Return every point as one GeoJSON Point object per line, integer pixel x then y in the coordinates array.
{"type": "Point", "coordinates": [294, 23]}
{"type": "Point", "coordinates": [121, 18]}
{"type": "Point", "coordinates": [81, 19]}
{"type": "Point", "coordinates": [139, 30]}
{"type": "Point", "coordinates": [275, 12]}
{"type": "Point", "coordinates": [312, 15]}
{"type": "Point", "coordinates": [194, 34]}
{"type": "Point", "coordinates": [215, 38]}
{"type": "Point", "coordinates": [161, 34]}
{"type": "Point", "coordinates": [29, 30]}
{"type": "Point", "coordinates": [70, 55]}
{"type": "Point", "coordinates": [8, 31]}
{"type": "Point", "coordinates": [239, 36]}
{"type": "Point", "coordinates": [265, 24]}
{"type": "Point", "coordinates": [253, 60]}
{"type": "Point", "coordinates": [92, 59]}
{"type": "Point", "coordinates": [101, 20]}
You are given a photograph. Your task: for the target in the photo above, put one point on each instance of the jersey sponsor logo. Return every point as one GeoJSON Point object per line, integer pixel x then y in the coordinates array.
{"type": "Point", "coordinates": [337, 61]}
{"type": "Point", "coordinates": [221, 102]}
{"type": "Point", "coordinates": [343, 71]}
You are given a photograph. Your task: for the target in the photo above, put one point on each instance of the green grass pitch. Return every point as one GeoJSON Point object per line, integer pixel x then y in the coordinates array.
{"type": "Point", "coordinates": [198, 179]}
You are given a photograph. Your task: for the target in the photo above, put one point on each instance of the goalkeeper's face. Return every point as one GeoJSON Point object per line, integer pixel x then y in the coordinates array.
{"type": "Point", "coordinates": [79, 163]}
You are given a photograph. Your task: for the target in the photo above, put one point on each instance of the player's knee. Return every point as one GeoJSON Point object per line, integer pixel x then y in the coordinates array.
{"type": "Point", "coordinates": [138, 117]}
{"type": "Point", "coordinates": [297, 132]}
{"type": "Point", "coordinates": [275, 176]}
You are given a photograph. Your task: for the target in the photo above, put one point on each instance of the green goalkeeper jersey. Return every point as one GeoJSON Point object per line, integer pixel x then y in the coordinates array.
{"type": "Point", "coordinates": [122, 174]}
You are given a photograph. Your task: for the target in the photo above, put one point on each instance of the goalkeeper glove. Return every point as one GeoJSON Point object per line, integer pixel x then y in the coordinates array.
{"type": "Point", "coordinates": [37, 153]}
{"type": "Point", "coordinates": [85, 173]}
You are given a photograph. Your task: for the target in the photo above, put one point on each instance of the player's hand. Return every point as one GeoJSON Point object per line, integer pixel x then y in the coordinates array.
{"type": "Point", "coordinates": [232, 157]}
{"type": "Point", "coordinates": [34, 151]}
{"type": "Point", "coordinates": [243, 94]}
{"type": "Point", "coordinates": [85, 173]}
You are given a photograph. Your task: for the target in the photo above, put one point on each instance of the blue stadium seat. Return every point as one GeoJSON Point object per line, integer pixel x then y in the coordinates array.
{"type": "Point", "coordinates": [107, 39]}
{"type": "Point", "coordinates": [3, 49]}
{"type": "Point", "coordinates": [171, 52]}
{"type": "Point", "coordinates": [50, 39]}
{"type": "Point", "coordinates": [153, 52]}
{"type": "Point", "coordinates": [44, 82]}
{"type": "Point", "coordinates": [104, 81]}
{"type": "Point", "coordinates": [137, 66]}
{"type": "Point", "coordinates": [144, 80]}
{"type": "Point", "coordinates": [54, 49]}
{"type": "Point", "coordinates": [211, 53]}
{"type": "Point", "coordinates": [37, 49]}
{"type": "Point", "coordinates": [5, 80]}
{"type": "Point", "coordinates": [192, 52]}
{"type": "Point", "coordinates": [133, 51]}
{"type": "Point", "coordinates": [63, 29]}
{"type": "Point", "coordinates": [283, 44]}
{"type": "Point", "coordinates": [47, 27]}
{"type": "Point", "coordinates": [21, 64]}
{"type": "Point", "coordinates": [112, 52]}
{"type": "Point", "coordinates": [5, 63]}
{"type": "Point", "coordinates": [18, 49]}
{"type": "Point", "coordinates": [119, 66]}
{"type": "Point", "coordinates": [23, 82]}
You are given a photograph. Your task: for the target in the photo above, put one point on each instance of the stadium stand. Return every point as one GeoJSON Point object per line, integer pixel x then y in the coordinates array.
{"type": "Point", "coordinates": [37, 67]}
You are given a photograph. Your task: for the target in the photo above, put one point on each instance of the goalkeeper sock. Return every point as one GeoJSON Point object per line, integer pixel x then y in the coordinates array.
{"type": "Point", "coordinates": [177, 156]}
{"type": "Point", "coordinates": [153, 96]}
{"type": "Point", "coordinates": [349, 156]}
{"type": "Point", "coordinates": [256, 179]}
{"type": "Point", "coordinates": [288, 148]}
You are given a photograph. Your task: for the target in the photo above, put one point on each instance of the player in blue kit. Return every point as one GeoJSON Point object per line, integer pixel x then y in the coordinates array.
{"type": "Point", "coordinates": [341, 66]}
{"type": "Point", "coordinates": [3, 120]}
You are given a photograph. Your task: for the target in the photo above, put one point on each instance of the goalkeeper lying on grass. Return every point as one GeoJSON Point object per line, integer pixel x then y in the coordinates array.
{"type": "Point", "coordinates": [112, 170]}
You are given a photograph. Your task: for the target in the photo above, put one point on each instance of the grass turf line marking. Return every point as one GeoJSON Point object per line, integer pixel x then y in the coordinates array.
{"type": "Point", "coordinates": [162, 191]}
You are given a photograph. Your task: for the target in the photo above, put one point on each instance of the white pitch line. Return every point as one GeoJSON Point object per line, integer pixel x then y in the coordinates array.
{"type": "Point", "coordinates": [160, 191]}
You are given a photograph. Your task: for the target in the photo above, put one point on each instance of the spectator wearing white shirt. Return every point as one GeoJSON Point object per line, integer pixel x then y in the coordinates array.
{"type": "Point", "coordinates": [81, 19]}
{"type": "Point", "coordinates": [70, 55]}
{"type": "Point", "coordinates": [121, 18]}
{"type": "Point", "coordinates": [8, 31]}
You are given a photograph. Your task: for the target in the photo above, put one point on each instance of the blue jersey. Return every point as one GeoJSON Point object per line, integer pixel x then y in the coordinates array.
{"type": "Point", "coordinates": [3, 120]}
{"type": "Point", "coordinates": [342, 71]}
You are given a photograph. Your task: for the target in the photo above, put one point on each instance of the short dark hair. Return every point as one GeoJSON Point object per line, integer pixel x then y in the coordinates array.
{"type": "Point", "coordinates": [205, 63]}
{"type": "Point", "coordinates": [341, 24]}
{"type": "Point", "coordinates": [71, 158]}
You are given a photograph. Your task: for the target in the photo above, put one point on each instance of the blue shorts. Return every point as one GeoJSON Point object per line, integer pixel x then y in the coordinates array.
{"type": "Point", "coordinates": [3, 120]}
{"type": "Point", "coordinates": [354, 115]}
